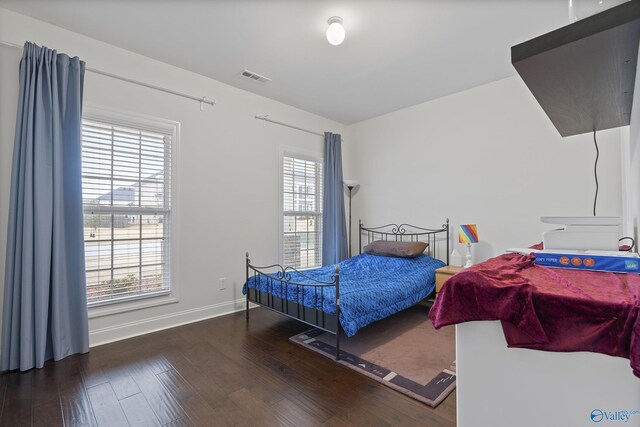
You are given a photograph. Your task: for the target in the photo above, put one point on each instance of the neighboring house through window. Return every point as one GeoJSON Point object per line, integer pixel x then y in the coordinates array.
{"type": "Point", "coordinates": [302, 211]}
{"type": "Point", "coordinates": [126, 186]}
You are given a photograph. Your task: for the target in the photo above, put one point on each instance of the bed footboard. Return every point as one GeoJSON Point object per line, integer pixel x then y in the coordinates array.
{"type": "Point", "coordinates": [279, 286]}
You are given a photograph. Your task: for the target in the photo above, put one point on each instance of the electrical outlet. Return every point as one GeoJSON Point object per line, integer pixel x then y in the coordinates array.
{"type": "Point", "coordinates": [223, 285]}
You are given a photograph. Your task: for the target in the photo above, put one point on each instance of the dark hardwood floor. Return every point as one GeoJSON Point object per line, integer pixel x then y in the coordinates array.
{"type": "Point", "coordinates": [217, 372]}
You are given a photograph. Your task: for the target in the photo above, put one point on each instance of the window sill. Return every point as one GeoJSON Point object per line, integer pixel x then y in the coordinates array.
{"type": "Point", "coordinates": [131, 305]}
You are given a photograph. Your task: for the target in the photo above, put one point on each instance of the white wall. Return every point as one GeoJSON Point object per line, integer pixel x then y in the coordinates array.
{"type": "Point", "coordinates": [227, 167]}
{"type": "Point", "coordinates": [489, 156]}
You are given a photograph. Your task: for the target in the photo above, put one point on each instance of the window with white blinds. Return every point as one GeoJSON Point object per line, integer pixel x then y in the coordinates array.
{"type": "Point", "coordinates": [302, 212]}
{"type": "Point", "coordinates": [126, 191]}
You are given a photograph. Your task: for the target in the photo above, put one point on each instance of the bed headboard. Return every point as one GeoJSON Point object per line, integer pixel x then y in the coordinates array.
{"type": "Point", "coordinates": [437, 238]}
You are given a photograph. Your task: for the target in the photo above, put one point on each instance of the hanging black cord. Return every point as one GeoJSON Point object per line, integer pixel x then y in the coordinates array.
{"type": "Point", "coordinates": [595, 172]}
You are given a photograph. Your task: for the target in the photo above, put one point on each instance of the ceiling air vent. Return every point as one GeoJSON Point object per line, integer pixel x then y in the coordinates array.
{"type": "Point", "coordinates": [255, 77]}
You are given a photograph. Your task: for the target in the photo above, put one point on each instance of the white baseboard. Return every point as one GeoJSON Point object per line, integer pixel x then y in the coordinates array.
{"type": "Point", "coordinates": [133, 329]}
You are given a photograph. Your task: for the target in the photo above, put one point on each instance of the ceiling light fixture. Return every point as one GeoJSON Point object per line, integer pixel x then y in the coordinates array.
{"type": "Point", "coordinates": [335, 31]}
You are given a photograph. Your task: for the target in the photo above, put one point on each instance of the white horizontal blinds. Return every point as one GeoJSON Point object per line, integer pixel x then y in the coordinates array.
{"type": "Point", "coordinates": [127, 210]}
{"type": "Point", "coordinates": [302, 209]}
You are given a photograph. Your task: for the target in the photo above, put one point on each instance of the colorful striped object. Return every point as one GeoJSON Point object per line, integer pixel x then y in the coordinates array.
{"type": "Point", "coordinates": [468, 233]}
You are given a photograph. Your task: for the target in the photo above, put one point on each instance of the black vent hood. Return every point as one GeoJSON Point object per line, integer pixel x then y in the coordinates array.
{"type": "Point", "coordinates": [583, 74]}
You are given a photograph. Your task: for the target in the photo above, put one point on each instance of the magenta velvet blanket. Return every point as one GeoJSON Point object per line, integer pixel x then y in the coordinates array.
{"type": "Point", "coordinates": [547, 309]}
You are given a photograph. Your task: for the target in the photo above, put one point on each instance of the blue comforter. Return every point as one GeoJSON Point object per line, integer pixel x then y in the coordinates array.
{"type": "Point", "coordinates": [371, 287]}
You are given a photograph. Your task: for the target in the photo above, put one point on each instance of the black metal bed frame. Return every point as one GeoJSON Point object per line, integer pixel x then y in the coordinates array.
{"type": "Point", "coordinates": [277, 276]}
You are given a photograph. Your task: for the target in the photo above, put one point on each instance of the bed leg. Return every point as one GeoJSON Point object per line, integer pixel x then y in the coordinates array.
{"type": "Point", "coordinates": [247, 284]}
{"type": "Point", "coordinates": [338, 344]}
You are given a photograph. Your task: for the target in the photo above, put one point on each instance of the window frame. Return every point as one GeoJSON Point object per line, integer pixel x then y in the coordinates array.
{"type": "Point", "coordinates": [153, 124]}
{"type": "Point", "coordinates": [308, 155]}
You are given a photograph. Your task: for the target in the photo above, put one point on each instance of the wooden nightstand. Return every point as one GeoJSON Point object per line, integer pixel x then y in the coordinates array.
{"type": "Point", "coordinates": [443, 273]}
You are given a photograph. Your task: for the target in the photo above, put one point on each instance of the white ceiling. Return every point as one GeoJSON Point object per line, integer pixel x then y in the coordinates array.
{"type": "Point", "coordinates": [396, 53]}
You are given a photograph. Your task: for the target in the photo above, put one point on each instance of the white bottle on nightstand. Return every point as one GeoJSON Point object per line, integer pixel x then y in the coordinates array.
{"type": "Point", "coordinates": [455, 259]}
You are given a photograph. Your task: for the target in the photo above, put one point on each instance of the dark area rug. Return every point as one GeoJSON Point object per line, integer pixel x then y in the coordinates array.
{"type": "Point", "coordinates": [403, 352]}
